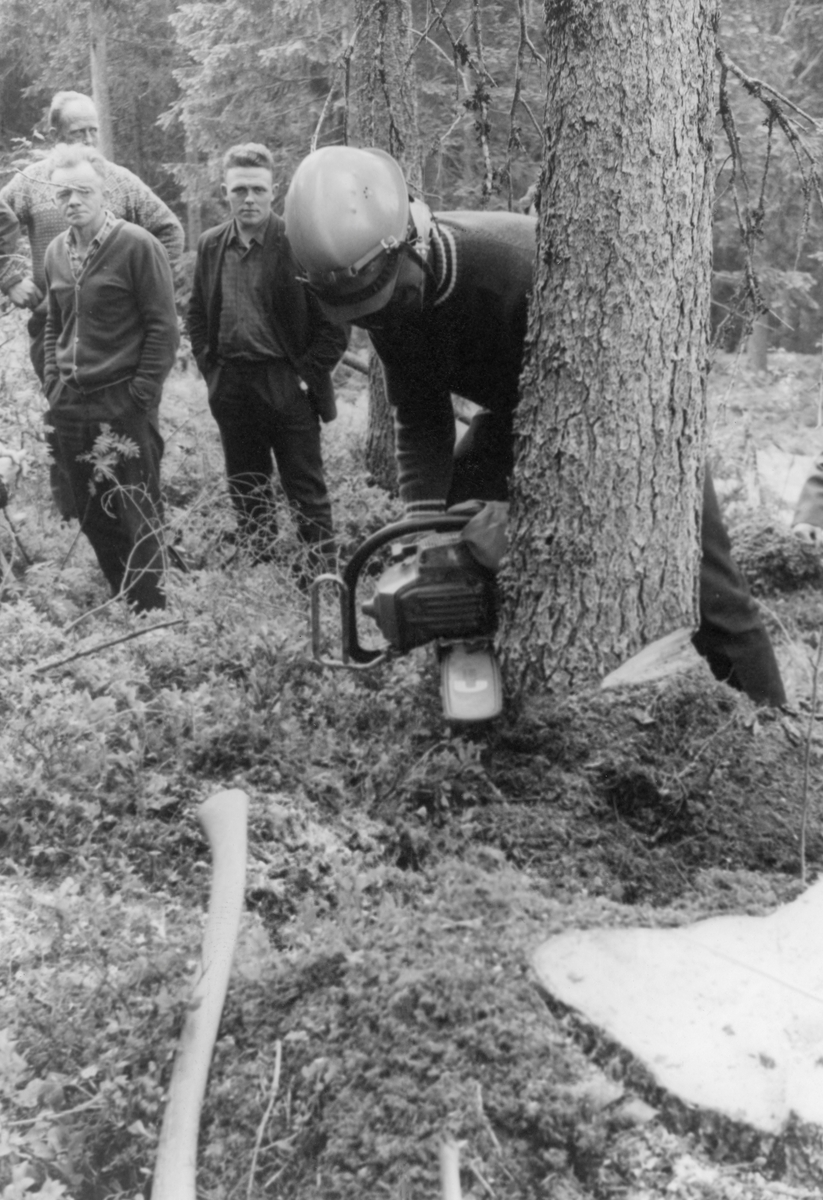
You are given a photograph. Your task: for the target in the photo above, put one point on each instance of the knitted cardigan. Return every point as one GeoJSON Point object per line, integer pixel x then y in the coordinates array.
{"type": "Point", "coordinates": [117, 322]}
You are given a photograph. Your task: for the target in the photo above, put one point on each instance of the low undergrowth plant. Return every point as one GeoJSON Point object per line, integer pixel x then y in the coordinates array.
{"type": "Point", "coordinates": [398, 875]}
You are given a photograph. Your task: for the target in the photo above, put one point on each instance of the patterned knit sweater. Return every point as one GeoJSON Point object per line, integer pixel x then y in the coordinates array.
{"type": "Point", "coordinates": [30, 196]}
{"type": "Point", "coordinates": [9, 229]}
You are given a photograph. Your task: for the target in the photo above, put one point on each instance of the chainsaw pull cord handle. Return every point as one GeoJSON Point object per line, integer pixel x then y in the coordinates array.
{"type": "Point", "coordinates": [432, 523]}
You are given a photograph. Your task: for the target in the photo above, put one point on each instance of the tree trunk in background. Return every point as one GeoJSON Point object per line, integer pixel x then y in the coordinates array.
{"type": "Point", "coordinates": [611, 425]}
{"type": "Point", "coordinates": [757, 344]}
{"type": "Point", "coordinates": [383, 112]}
{"type": "Point", "coordinates": [194, 221]}
{"type": "Point", "coordinates": [98, 57]}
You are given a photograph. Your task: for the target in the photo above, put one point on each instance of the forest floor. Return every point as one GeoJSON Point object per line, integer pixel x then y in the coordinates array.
{"type": "Point", "coordinates": [400, 875]}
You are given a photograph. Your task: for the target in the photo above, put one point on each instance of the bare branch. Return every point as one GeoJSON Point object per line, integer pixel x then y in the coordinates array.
{"type": "Point", "coordinates": [481, 99]}
{"type": "Point", "coordinates": [756, 88]}
{"type": "Point", "coordinates": [342, 64]}
{"type": "Point", "coordinates": [749, 300]}
{"type": "Point", "coordinates": [275, 1086]}
{"type": "Point", "coordinates": [807, 754]}
{"type": "Point", "coordinates": [524, 43]}
{"type": "Point", "coordinates": [136, 633]}
{"type": "Point", "coordinates": [773, 103]}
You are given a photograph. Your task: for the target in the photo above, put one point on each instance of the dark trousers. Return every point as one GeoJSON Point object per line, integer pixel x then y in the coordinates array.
{"type": "Point", "coordinates": [731, 635]}
{"type": "Point", "coordinates": [122, 513]}
{"type": "Point", "coordinates": [59, 483]}
{"type": "Point", "coordinates": [261, 411]}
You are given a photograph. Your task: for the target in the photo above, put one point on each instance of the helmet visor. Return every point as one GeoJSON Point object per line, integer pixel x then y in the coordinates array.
{"type": "Point", "coordinates": [348, 295]}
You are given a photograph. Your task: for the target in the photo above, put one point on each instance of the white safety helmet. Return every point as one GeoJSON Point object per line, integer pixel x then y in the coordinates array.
{"type": "Point", "coordinates": [347, 219]}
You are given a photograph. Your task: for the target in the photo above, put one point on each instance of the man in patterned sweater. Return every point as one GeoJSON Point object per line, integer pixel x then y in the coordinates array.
{"type": "Point", "coordinates": [30, 196]}
{"type": "Point", "coordinates": [9, 230]}
{"type": "Point", "coordinates": [444, 298]}
{"type": "Point", "coordinates": [111, 338]}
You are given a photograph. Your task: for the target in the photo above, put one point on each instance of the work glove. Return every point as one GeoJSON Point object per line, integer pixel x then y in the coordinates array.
{"type": "Point", "coordinates": [811, 534]}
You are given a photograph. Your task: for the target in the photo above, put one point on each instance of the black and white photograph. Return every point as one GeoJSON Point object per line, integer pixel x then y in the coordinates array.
{"type": "Point", "coordinates": [411, 600]}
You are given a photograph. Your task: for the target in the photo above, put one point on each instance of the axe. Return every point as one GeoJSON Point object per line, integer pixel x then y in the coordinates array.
{"type": "Point", "coordinates": [223, 817]}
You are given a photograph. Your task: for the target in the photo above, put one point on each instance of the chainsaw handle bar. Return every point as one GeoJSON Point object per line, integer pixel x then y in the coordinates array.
{"type": "Point", "coordinates": [375, 656]}
{"type": "Point", "coordinates": [433, 523]}
{"type": "Point", "coordinates": [347, 584]}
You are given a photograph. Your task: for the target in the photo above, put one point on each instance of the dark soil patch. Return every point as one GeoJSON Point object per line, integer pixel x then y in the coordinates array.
{"type": "Point", "coordinates": [633, 795]}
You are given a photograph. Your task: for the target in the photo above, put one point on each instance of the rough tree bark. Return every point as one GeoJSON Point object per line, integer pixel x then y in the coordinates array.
{"type": "Point", "coordinates": [99, 69]}
{"type": "Point", "coordinates": [383, 112]}
{"type": "Point", "coordinates": [610, 428]}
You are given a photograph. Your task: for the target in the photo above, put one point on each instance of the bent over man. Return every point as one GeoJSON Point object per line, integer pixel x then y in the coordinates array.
{"type": "Point", "coordinates": [111, 338]}
{"type": "Point", "coordinates": [444, 298]}
{"type": "Point", "coordinates": [266, 351]}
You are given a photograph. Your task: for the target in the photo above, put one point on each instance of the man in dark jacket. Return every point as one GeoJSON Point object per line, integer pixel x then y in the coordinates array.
{"type": "Point", "coordinates": [266, 351]}
{"type": "Point", "coordinates": [444, 298]}
{"type": "Point", "coordinates": [111, 337]}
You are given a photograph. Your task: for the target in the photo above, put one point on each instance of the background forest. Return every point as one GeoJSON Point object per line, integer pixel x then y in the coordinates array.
{"type": "Point", "coordinates": [185, 81]}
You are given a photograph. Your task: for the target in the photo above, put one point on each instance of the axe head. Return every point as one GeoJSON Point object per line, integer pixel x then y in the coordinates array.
{"type": "Point", "coordinates": [672, 654]}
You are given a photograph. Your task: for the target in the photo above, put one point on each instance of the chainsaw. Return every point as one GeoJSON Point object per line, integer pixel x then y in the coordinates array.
{"type": "Point", "coordinates": [432, 590]}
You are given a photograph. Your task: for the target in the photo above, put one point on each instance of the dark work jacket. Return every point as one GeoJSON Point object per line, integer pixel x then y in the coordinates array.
{"type": "Point", "coordinates": [467, 338]}
{"type": "Point", "coordinates": [311, 343]}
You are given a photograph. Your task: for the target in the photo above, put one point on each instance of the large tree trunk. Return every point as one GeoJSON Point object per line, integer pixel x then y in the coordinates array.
{"type": "Point", "coordinates": [98, 60]}
{"type": "Point", "coordinates": [384, 113]}
{"type": "Point", "coordinates": [610, 428]}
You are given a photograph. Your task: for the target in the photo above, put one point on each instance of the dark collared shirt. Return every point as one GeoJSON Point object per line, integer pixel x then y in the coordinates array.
{"type": "Point", "coordinates": [244, 331]}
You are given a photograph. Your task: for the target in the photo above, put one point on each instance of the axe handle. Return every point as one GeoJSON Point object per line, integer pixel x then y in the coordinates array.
{"type": "Point", "coordinates": [224, 818]}
{"type": "Point", "coordinates": [450, 1170]}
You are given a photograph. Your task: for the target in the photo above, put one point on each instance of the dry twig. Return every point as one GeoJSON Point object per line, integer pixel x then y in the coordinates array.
{"type": "Point", "coordinates": [61, 662]}
{"type": "Point", "coordinates": [343, 64]}
{"type": "Point", "coordinates": [807, 754]}
{"type": "Point", "coordinates": [524, 43]}
{"type": "Point", "coordinates": [749, 300]}
{"type": "Point", "coordinates": [258, 1141]}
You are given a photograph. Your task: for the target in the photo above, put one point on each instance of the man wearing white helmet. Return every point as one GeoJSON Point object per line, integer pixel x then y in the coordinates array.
{"type": "Point", "coordinates": [444, 298]}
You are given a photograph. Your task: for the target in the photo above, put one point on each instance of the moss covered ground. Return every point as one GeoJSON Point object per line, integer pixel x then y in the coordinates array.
{"type": "Point", "coordinates": [400, 875]}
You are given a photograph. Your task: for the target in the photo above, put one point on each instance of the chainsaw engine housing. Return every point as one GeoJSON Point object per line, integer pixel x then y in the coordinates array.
{"type": "Point", "coordinates": [435, 590]}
